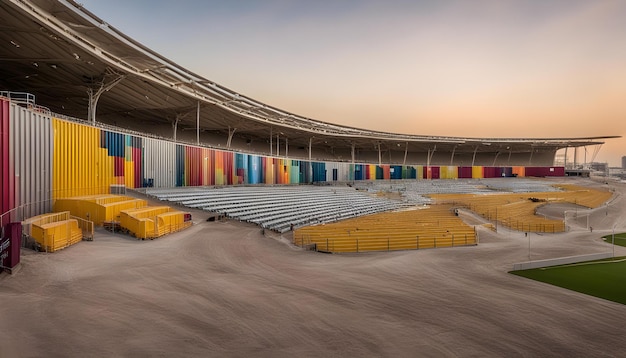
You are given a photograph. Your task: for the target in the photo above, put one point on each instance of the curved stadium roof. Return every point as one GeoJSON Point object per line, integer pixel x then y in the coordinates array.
{"type": "Point", "coordinates": [58, 51]}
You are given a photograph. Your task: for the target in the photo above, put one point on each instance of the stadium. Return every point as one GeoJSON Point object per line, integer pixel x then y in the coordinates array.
{"type": "Point", "coordinates": [86, 110]}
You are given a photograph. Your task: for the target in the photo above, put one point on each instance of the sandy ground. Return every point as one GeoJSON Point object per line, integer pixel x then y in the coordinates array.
{"type": "Point", "coordinates": [222, 289]}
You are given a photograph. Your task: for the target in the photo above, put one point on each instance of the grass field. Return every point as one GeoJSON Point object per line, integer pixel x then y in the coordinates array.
{"type": "Point", "coordinates": [620, 239]}
{"type": "Point", "coordinates": [604, 278]}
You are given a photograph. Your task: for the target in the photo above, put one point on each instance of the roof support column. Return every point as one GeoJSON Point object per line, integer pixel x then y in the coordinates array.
{"type": "Point", "coordinates": [95, 96]}
{"type": "Point", "coordinates": [230, 136]}
{"type": "Point", "coordinates": [175, 127]}
{"type": "Point", "coordinates": [530, 160]}
{"type": "Point", "coordinates": [286, 147]}
{"type": "Point", "coordinates": [406, 151]}
{"type": "Point", "coordinates": [310, 158]}
{"type": "Point", "coordinates": [277, 145]}
{"type": "Point", "coordinates": [177, 119]}
{"type": "Point", "coordinates": [353, 152]}
{"type": "Point", "coordinates": [565, 158]}
{"type": "Point", "coordinates": [430, 154]}
{"type": "Point", "coordinates": [474, 156]}
{"type": "Point", "coordinates": [271, 147]}
{"type": "Point", "coordinates": [452, 156]}
{"type": "Point", "coordinates": [198, 124]}
{"type": "Point", "coordinates": [495, 158]}
{"type": "Point", "coordinates": [380, 159]}
{"type": "Point", "coordinates": [428, 170]}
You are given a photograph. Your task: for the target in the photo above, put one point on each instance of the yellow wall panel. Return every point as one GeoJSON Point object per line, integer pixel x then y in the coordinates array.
{"type": "Point", "coordinates": [477, 172]}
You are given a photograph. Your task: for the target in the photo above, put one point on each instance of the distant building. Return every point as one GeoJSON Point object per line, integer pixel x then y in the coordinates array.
{"type": "Point", "coordinates": [599, 167]}
{"type": "Point", "coordinates": [624, 162]}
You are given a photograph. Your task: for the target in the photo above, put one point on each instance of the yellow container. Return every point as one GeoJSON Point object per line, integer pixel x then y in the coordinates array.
{"type": "Point", "coordinates": [171, 222]}
{"type": "Point", "coordinates": [148, 211]}
{"type": "Point", "coordinates": [153, 221]}
{"type": "Point", "coordinates": [98, 208]}
{"type": "Point", "coordinates": [141, 228]}
{"type": "Point", "coordinates": [43, 219]}
{"type": "Point", "coordinates": [55, 236]}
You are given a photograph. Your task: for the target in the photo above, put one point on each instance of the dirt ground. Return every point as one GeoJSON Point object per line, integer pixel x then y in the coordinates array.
{"type": "Point", "coordinates": [223, 289]}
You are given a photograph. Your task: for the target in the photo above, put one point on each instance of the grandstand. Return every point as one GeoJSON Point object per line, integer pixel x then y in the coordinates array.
{"type": "Point", "coordinates": [85, 108]}
{"type": "Point", "coordinates": [280, 208]}
{"type": "Point", "coordinates": [86, 111]}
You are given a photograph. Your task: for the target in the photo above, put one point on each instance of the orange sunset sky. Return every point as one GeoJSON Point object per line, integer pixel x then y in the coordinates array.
{"type": "Point", "coordinates": [455, 68]}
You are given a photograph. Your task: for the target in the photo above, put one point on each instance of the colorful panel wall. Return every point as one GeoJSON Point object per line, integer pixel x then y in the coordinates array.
{"type": "Point", "coordinates": [85, 160]}
{"type": "Point", "coordinates": [44, 158]}
{"type": "Point", "coordinates": [465, 172]}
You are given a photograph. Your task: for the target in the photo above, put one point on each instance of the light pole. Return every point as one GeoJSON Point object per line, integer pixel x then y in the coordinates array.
{"type": "Point", "coordinates": [613, 239]}
{"type": "Point", "coordinates": [528, 235]}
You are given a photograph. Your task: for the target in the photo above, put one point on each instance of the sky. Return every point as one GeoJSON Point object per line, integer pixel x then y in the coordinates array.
{"type": "Point", "coordinates": [483, 68]}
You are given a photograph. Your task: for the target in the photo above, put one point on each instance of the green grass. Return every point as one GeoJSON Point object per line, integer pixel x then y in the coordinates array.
{"type": "Point", "coordinates": [604, 278]}
{"type": "Point", "coordinates": [620, 239]}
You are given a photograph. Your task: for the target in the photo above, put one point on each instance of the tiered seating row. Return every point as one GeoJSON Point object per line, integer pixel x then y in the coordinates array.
{"type": "Point", "coordinates": [280, 208]}
{"type": "Point", "coordinates": [432, 227]}
{"type": "Point", "coordinates": [518, 210]}
{"type": "Point", "coordinates": [416, 192]}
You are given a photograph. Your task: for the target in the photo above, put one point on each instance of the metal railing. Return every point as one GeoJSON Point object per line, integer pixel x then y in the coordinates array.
{"type": "Point", "coordinates": [384, 244]}
{"type": "Point", "coordinates": [25, 99]}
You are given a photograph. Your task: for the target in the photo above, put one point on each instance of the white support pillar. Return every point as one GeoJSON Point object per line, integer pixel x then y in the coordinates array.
{"type": "Point", "coordinates": [474, 156]}
{"type": "Point", "coordinates": [277, 145]}
{"type": "Point", "coordinates": [495, 158]}
{"type": "Point", "coordinates": [286, 147]}
{"type": "Point", "coordinates": [178, 118]}
{"type": "Point", "coordinates": [95, 96]}
{"type": "Point", "coordinates": [452, 156]}
{"type": "Point", "coordinates": [380, 159]}
{"type": "Point", "coordinates": [430, 157]}
{"type": "Point", "coordinates": [565, 158]}
{"type": "Point", "coordinates": [353, 152]}
{"type": "Point", "coordinates": [175, 127]}
{"type": "Point", "coordinates": [310, 160]}
{"type": "Point", "coordinates": [198, 124]}
{"type": "Point", "coordinates": [230, 136]}
{"type": "Point", "coordinates": [406, 151]}
{"type": "Point", "coordinates": [271, 146]}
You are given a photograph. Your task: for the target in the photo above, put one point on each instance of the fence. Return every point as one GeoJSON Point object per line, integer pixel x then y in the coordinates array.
{"type": "Point", "coordinates": [25, 211]}
{"type": "Point", "coordinates": [86, 226]}
{"type": "Point", "coordinates": [383, 244]}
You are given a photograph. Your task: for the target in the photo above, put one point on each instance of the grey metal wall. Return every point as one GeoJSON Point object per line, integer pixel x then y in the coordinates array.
{"type": "Point", "coordinates": [31, 150]}
{"type": "Point", "coordinates": [160, 162]}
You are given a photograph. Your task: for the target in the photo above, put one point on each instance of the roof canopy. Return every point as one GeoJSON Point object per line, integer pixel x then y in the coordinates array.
{"type": "Point", "coordinates": [59, 51]}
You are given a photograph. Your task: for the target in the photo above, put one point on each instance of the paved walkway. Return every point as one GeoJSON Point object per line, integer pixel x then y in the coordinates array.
{"type": "Point", "coordinates": [222, 289]}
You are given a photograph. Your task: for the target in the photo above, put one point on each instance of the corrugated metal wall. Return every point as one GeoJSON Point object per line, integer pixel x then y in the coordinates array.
{"type": "Point", "coordinates": [7, 189]}
{"type": "Point", "coordinates": [32, 153]}
{"type": "Point", "coordinates": [82, 162]}
{"type": "Point", "coordinates": [43, 158]}
{"type": "Point", "coordinates": [160, 162]}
